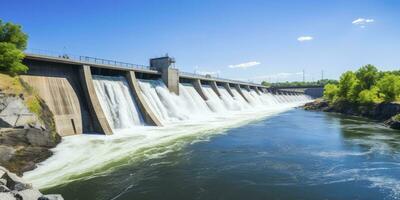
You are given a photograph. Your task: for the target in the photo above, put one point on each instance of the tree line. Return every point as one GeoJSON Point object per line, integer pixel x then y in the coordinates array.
{"type": "Point", "coordinates": [321, 82]}
{"type": "Point", "coordinates": [367, 85]}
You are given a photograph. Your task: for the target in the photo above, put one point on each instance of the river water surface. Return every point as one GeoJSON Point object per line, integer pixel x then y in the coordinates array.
{"type": "Point", "coordinates": [292, 155]}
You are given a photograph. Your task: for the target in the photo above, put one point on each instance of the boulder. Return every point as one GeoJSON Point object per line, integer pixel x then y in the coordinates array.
{"type": "Point", "coordinates": [14, 182]}
{"type": "Point", "coordinates": [4, 188]}
{"type": "Point", "coordinates": [318, 104]}
{"type": "Point", "coordinates": [393, 122]}
{"type": "Point", "coordinates": [13, 187]}
{"type": "Point", "coordinates": [29, 194]}
{"type": "Point", "coordinates": [15, 113]}
{"type": "Point", "coordinates": [7, 196]}
{"type": "Point", "coordinates": [6, 153]}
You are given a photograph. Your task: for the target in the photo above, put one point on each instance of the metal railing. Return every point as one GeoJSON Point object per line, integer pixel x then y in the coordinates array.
{"type": "Point", "coordinates": [86, 59]}
{"type": "Point", "coordinates": [216, 78]}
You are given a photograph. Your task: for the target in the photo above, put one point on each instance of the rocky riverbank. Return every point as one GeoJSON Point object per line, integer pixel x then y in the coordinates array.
{"type": "Point", "coordinates": [13, 187]}
{"type": "Point", "coordinates": [27, 131]}
{"type": "Point", "coordinates": [388, 113]}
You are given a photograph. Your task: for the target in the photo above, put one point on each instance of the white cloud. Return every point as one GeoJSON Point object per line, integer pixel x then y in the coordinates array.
{"type": "Point", "coordinates": [304, 38]}
{"type": "Point", "coordinates": [362, 22]}
{"type": "Point", "coordinates": [245, 65]}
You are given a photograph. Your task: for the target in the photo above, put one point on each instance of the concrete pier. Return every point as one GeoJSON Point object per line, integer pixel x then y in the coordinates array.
{"type": "Point", "coordinates": [61, 99]}
{"type": "Point", "coordinates": [101, 124]}
{"type": "Point", "coordinates": [215, 88]}
{"type": "Point", "coordinates": [239, 90]}
{"type": "Point", "coordinates": [255, 89]}
{"type": "Point", "coordinates": [228, 88]}
{"type": "Point", "coordinates": [197, 86]}
{"type": "Point", "coordinates": [147, 113]}
{"type": "Point", "coordinates": [246, 87]}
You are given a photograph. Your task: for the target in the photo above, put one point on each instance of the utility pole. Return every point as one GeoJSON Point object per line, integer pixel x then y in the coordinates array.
{"type": "Point", "coordinates": [322, 75]}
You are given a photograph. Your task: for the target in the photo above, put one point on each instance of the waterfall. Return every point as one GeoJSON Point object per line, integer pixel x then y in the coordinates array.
{"type": "Point", "coordinates": [122, 111]}
{"type": "Point", "coordinates": [169, 107]}
{"type": "Point", "coordinates": [214, 102]}
{"type": "Point", "coordinates": [253, 101]}
{"type": "Point", "coordinates": [197, 105]}
{"type": "Point", "coordinates": [256, 97]}
{"type": "Point", "coordinates": [267, 99]}
{"type": "Point", "coordinates": [239, 98]}
{"type": "Point", "coordinates": [230, 102]}
{"type": "Point", "coordinates": [117, 102]}
{"type": "Point", "coordinates": [162, 102]}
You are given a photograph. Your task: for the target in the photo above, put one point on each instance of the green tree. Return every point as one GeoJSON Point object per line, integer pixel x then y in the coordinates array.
{"type": "Point", "coordinates": [369, 96]}
{"type": "Point", "coordinates": [331, 92]}
{"type": "Point", "coordinates": [389, 87]}
{"type": "Point", "coordinates": [347, 84]}
{"type": "Point", "coordinates": [12, 33]}
{"type": "Point", "coordinates": [265, 83]}
{"type": "Point", "coordinates": [367, 75]}
{"type": "Point", "coordinates": [12, 42]}
{"type": "Point", "coordinates": [11, 58]}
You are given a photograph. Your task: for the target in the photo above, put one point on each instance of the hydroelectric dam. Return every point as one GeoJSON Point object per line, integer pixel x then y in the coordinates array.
{"type": "Point", "coordinates": [91, 95]}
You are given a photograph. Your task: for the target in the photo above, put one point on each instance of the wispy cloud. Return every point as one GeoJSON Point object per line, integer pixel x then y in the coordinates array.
{"type": "Point", "coordinates": [362, 22]}
{"type": "Point", "coordinates": [304, 38]}
{"type": "Point", "coordinates": [245, 65]}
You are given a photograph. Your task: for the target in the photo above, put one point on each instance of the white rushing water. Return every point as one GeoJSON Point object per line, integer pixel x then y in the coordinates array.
{"type": "Point", "coordinates": [169, 107]}
{"type": "Point", "coordinates": [214, 102]}
{"type": "Point", "coordinates": [230, 102]}
{"type": "Point", "coordinates": [117, 102]}
{"type": "Point", "coordinates": [186, 117]}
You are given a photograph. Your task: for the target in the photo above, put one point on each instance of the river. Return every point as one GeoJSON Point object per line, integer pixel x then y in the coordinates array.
{"type": "Point", "coordinates": [294, 154]}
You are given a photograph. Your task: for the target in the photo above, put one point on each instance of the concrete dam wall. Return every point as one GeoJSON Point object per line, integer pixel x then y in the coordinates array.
{"type": "Point", "coordinates": [102, 97]}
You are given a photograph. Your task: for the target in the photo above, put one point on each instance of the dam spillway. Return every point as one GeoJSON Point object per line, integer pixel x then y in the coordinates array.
{"type": "Point", "coordinates": [117, 102]}
{"type": "Point", "coordinates": [98, 97]}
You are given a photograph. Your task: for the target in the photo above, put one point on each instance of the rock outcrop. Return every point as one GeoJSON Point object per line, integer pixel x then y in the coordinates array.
{"type": "Point", "coordinates": [13, 187]}
{"type": "Point", "coordinates": [393, 122]}
{"type": "Point", "coordinates": [14, 113]}
{"type": "Point", "coordinates": [25, 137]}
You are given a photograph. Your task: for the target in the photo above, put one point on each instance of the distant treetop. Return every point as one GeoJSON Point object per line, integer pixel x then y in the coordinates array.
{"type": "Point", "coordinates": [322, 82]}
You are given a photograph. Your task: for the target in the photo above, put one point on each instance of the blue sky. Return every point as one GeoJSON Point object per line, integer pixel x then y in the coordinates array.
{"type": "Point", "coordinates": [247, 40]}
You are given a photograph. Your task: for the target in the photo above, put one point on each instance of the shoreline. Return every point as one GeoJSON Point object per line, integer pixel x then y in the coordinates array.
{"type": "Point", "coordinates": [386, 113]}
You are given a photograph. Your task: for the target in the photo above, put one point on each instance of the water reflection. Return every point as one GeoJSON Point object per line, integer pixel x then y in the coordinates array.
{"type": "Point", "coordinates": [369, 135]}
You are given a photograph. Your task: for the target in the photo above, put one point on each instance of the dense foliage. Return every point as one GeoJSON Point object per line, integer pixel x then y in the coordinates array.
{"type": "Point", "coordinates": [299, 84]}
{"type": "Point", "coordinates": [12, 42]}
{"type": "Point", "coordinates": [365, 86]}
